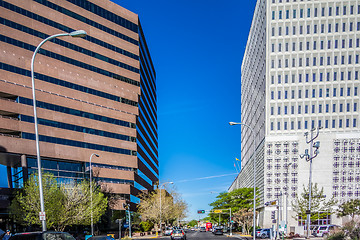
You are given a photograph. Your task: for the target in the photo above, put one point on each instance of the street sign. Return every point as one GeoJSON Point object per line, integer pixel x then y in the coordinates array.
{"type": "Point", "coordinates": [217, 211]}
{"type": "Point", "coordinates": [272, 214]}
{"type": "Point", "coordinates": [42, 216]}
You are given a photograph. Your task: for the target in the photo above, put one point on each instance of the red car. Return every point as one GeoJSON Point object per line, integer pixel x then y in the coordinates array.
{"type": "Point", "coordinates": [208, 226]}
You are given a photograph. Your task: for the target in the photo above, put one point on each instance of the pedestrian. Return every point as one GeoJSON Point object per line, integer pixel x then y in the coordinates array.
{"type": "Point", "coordinates": [7, 235]}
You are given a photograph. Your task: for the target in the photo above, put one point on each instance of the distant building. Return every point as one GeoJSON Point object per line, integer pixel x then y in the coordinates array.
{"type": "Point", "coordinates": [301, 71]}
{"type": "Point", "coordinates": [94, 95]}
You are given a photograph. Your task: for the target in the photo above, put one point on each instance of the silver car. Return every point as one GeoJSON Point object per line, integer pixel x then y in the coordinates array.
{"type": "Point", "coordinates": [324, 230]}
{"type": "Point", "coordinates": [168, 231]}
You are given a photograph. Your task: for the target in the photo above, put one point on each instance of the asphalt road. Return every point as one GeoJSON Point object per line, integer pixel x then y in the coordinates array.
{"type": "Point", "coordinates": [190, 235]}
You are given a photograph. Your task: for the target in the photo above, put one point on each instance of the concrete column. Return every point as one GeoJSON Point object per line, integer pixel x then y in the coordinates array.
{"type": "Point", "coordinates": [24, 167]}
{"type": "Point", "coordinates": [9, 177]}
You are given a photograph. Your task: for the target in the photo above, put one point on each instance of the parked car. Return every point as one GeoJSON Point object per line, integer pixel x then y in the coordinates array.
{"type": "Point", "coordinates": [42, 236]}
{"type": "Point", "coordinates": [218, 231]}
{"type": "Point", "coordinates": [178, 234]}
{"type": "Point", "coordinates": [168, 231]}
{"type": "Point", "coordinates": [314, 230]}
{"type": "Point", "coordinates": [202, 229]}
{"type": "Point", "coordinates": [257, 232]}
{"type": "Point", "coordinates": [264, 233]}
{"type": "Point", "coordinates": [101, 238]}
{"type": "Point", "coordinates": [324, 230]}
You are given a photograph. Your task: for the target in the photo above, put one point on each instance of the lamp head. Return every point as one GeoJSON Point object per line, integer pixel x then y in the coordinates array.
{"type": "Point", "coordinates": [78, 33]}
{"type": "Point", "coordinates": [96, 155]}
{"type": "Point", "coordinates": [233, 123]}
{"type": "Point", "coordinates": [316, 144]}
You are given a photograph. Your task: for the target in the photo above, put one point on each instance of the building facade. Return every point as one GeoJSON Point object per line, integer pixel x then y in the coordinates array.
{"type": "Point", "coordinates": [95, 94]}
{"type": "Point", "coordinates": [302, 57]}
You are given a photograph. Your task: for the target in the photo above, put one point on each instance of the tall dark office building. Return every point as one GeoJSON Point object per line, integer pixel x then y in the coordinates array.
{"type": "Point", "coordinates": [95, 94]}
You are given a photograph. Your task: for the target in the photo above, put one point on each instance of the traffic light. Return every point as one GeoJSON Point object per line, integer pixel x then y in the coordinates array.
{"type": "Point", "coordinates": [126, 206]}
{"type": "Point", "coordinates": [201, 211]}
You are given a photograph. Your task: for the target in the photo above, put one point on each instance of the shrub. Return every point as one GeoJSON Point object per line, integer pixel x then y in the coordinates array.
{"type": "Point", "coordinates": [146, 226]}
{"type": "Point", "coordinates": [340, 235]}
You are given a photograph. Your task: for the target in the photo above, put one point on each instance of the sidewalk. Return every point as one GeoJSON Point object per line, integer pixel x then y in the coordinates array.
{"type": "Point", "coordinates": [249, 237]}
{"type": "Point", "coordinates": [239, 236]}
{"type": "Point", "coordinates": [148, 236]}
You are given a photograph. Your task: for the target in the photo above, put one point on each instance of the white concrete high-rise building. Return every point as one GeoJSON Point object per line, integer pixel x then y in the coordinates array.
{"type": "Point", "coordinates": [301, 71]}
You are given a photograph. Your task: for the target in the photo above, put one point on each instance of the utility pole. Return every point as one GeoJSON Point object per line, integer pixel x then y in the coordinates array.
{"type": "Point", "coordinates": [127, 208]}
{"type": "Point", "coordinates": [287, 194]}
{"type": "Point", "coordinates": [309, 157]}
{"type": "Point", "coordinates": [278, 218]}
{"type": "Point", "coordinates": [119, 220]}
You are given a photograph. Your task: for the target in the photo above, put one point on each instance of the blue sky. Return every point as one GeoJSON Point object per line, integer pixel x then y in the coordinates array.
{"type": "Point", "coordinates": [197, 48]}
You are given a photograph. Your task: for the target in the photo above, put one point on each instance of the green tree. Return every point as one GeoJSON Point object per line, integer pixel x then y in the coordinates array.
{"type": "Point", "coordinates": [146, 226]}
{"type": "Point", "coordinates": [192, 223]}
{"type": "Point", "coordinates": [65, 204]}
{"type": "Point", "coordinates": [319, 206]}
{"type": "Point", "coordinates": [237, 199]}
{"type": "Point", "coordinates": [350, 208]}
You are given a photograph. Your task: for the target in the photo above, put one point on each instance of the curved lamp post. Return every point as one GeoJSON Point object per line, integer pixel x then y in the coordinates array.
{"type": "Point", "coordinates": [78, 33]}
{"type": "Point", "coordinates": [91, 199]}
{"type": "Point", "coordinates": [254, 166]}
{"type": "Point", "coordinates": [160, 197]}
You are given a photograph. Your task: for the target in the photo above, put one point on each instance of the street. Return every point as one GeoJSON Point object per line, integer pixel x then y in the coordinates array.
{"type": "Point", "coordinates": [198, 235]}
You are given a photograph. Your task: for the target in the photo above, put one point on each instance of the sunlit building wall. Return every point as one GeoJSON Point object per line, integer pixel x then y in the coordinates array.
{"type": "Point", "coordinates": [311, 80]}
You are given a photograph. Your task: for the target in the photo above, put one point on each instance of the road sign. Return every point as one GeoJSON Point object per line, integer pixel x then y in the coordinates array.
{"type": "Point", "coordinates": [217, 211]}
{"type": "Point", "coordinates": [272, 214]}
{"type": "Point", "coordinates": [42, 216]}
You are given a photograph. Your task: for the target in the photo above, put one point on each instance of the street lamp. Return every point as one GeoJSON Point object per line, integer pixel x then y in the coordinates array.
{"type": "Point", "coordinates": [254, 169]}
{"type": "Point", "coordinates": [287, 194]}
{"type": "Point", "coordinates": [160, 197]}
{"type": "Point", "coordinates": [78, 33]}
{"type": "Point", "coordinates": [91, 199]}
{"type": "Point", "coordinates": [309, 157]}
